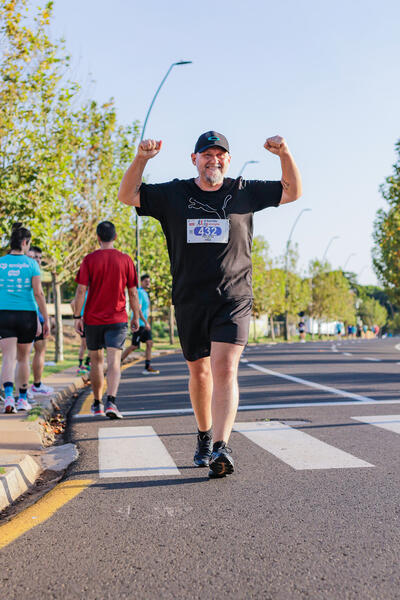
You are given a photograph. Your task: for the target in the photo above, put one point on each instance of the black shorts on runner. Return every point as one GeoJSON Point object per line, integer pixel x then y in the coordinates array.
{"type": "Point", "coordinates": [40, 337]}
{"type": "Point", "coordinates": [106, 336]}
{"type": "Point", "coordinates": [199, 325]}
{"type": "Point", "coordinates": [21, 324]}
{"type": "Point", "coordinates": [141, 335]}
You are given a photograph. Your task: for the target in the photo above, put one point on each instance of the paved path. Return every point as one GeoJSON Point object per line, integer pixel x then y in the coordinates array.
{"type": "Point", "coordinates": [311, 511]}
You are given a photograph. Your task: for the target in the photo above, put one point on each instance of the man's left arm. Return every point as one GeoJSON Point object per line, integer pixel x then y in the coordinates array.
{"type": "Point", "coordinates": [291, 178]}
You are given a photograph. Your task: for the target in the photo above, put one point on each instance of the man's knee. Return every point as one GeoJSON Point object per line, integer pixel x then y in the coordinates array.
{"type": "Point", "coordinates": [113, 356]}
{"type": "Point", "coordinates": [224, 367]}
{"type": "Point", "coordinates": [200, 369]}
{"type": "Point", "coordinates": [96, 357]}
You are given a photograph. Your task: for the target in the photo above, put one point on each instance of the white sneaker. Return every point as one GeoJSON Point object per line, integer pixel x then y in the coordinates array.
{"type": "Point", "coordinates": [23, 404]}
{"type": "Point", "coordinates": [9, 404]}
{"type": "Point", "coordinates": [150, 371]}
{"type": "Point", "coordinates": [42, 389]}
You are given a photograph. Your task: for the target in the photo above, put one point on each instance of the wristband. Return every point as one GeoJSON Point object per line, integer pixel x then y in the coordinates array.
{"type": "Point", "coordinates": [77, 317]}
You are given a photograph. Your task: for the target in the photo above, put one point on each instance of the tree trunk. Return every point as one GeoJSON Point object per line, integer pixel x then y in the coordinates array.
{"type": "Point", "coordinates": [59, 338]}
{"type": "Point", "coordinates": [171, 324]}
{"type": "Point", "coordinates": [271, 320]}
{"type": "Point", "coordinates": [287, 333]}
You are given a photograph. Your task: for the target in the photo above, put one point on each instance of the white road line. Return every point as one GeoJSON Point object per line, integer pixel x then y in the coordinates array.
{"type": "Point", "coordinates": [318, 386]}
{"type": "Point", "coordinates": [189, 411]}
{"type": "Point", "coordinates": [347, 354]}
{"type": "Point", "coordinates": [133, 452]}
{"type": "Point", "coordinates": [372, 359]}
{"type": "Point", "coordinates": [397, 346]}
{"type": "Point", "coordinates": [388, 422]}
{"type": "Point", "coordinates": [296, 448]}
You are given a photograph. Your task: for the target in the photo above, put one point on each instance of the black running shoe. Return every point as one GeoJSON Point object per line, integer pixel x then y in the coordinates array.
{"type": "Point", "coordinates": [112, 411]}
{"type": "Point", "coordinates": [203, 451]}
{"type": "Point", "coordinates": [221, 463]}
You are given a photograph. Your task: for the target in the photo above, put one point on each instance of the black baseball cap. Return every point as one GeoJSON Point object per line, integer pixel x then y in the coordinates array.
{"type": "Point", "coordinates": [210, 139]}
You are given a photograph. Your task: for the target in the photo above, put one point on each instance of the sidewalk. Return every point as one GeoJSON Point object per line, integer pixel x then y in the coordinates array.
{"type": "Point", "coordinates": [26, 445]}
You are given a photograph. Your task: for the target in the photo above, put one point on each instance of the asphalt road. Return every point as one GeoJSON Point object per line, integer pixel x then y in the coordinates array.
{"type": "Point", "coordinates": [312, 510]}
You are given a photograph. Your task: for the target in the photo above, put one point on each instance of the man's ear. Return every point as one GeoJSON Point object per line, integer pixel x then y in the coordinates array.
{"type": "Point", "coordinates": [194, 156]}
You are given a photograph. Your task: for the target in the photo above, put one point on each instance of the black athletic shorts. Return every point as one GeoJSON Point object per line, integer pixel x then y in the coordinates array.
{"type": "Point", "coordinates": [21, 324]}
{"type": "Point", "coordinates": [39, 337]}
{"type": "Point", "coordinates": [106, 336]}
{"type": "Point", "coordinates": [199, 325]}
{"type": "Point", "coordinates": [141, 335]}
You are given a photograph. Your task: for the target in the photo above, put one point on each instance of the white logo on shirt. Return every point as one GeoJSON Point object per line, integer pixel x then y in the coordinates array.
{"type": "Point", "coordinates": [193, 203]}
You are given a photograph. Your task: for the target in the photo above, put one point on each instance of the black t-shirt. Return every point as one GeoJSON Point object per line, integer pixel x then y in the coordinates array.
{"type": "Point", "coordinates": [206, 272]}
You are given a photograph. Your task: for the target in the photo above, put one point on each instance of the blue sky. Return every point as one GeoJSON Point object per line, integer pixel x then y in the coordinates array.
{"type": "Point", "coordinates": [323, 75]}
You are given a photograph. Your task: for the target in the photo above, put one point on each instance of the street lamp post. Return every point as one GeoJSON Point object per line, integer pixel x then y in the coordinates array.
{"type": "Point", "coordinates": [335, 237]}
{"type": "Point", "coordinates": [347, 259]}
{"type": "Point", "coordinates": [175, 64]}
{"type": "Point", "coordinates": [248, 162]}
{"type": "Point", "coordinates": [286, 272]}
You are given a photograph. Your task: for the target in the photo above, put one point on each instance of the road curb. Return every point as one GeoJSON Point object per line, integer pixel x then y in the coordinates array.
{"type": "Point", "coordinates": [21, 472]}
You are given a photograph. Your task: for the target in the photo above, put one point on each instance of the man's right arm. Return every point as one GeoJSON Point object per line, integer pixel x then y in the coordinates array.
{"type": "Point", "coordinates": [129, 191]}
{"type": "Point", "coordinates": [134, 304]}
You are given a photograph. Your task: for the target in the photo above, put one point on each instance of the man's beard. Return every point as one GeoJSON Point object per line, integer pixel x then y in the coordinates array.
{"type": "Point", "coordinates": [214, 177]}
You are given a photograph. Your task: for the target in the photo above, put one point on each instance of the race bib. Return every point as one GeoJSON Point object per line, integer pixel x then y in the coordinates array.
{"type": "Point", "coordinates": [201, 231]}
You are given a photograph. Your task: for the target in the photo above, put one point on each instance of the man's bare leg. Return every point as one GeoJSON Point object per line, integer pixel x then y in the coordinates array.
{"type": "Point", "coordinates": [225, 397]}
{"type": "Point", "coordinates": [38, 360]}
{"type": "Point", "coordinates": [127, 352]}
{"type": "Point", "coordinates": [200, 390]}
{"type": "Point", "coordinates": [149, 345]}
{"type": "Point", "coordinates": [97, 373]}
{"type": "Point", "coordinates": [113, 370]}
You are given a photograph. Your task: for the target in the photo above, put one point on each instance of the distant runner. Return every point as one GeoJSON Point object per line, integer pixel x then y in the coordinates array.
{"type": "Point", "coordinates": [208, 224]}
{"type": "Point", "coordinates": [39, 345]}
{"type": "Point", "coordinates": [107, 273]}
{"type": "Point", "coordinates": [83, 363]}
{"type": "Point", "coordinates": [144, 332]}
{"type": "Point", "coordinates": [20, 290]}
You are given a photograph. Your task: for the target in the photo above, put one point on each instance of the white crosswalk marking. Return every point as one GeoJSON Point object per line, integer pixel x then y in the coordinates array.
{"type": "Point", "coordinates": [133, 452]}
{"type": "Point", "coordinates": [296, 448]}
{"type": "Point", "coordinates": [388, 422]}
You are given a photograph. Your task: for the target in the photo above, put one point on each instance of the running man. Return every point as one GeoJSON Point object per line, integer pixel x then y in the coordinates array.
{"type": "Point", "coordinates": [39, 345]}
{"type": "Point", "coordinates": [83, 367]}
{"type": "Point", "coordinates": [208, 224]}
{"type": "Point", "coordinates": [144, 332]}
{"type": "Point", "coordinates": [107, 273]}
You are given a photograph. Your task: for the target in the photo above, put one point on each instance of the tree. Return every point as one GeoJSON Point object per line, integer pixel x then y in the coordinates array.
{"type": "Point", "coordinates": [60, 164]}
{"type": "Point", "coordinates": [297, 291]}
{"type": "Point", "coordinates": [371, 312]}
{"type": "Point", "coordinates": [386, 252]}
{"type": "Point", "coordinates": [331, 295]}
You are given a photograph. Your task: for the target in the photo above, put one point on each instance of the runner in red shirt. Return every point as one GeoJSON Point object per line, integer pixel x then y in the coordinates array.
{"type": "Point", "coordinates": [107, 273]}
